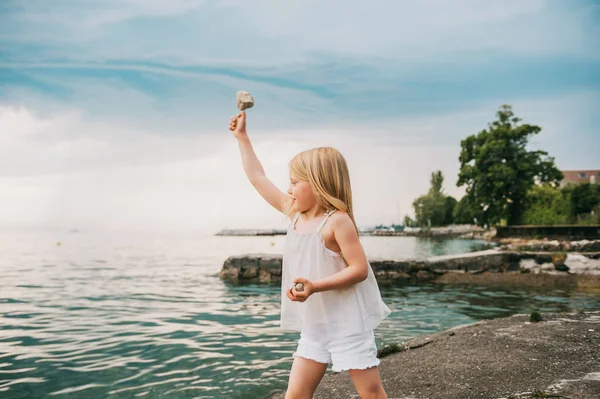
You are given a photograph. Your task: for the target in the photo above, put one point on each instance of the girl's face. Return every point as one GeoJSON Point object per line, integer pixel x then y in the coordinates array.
{"type": "Point", "coordinates": [303, 195]}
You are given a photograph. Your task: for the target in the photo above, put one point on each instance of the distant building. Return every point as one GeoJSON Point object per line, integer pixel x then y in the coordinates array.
{"type": "Point", "coordinates": [580, 176]}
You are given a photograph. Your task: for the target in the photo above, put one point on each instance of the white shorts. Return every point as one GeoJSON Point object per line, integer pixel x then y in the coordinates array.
{"type": "Point", "coordinates": [354, 352]}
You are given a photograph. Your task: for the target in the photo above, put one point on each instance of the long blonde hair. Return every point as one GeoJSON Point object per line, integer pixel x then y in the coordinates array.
{"type": "Point", "coordinates": [327, 172]}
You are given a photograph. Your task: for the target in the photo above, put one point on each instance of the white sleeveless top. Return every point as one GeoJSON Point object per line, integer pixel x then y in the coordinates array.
{"type": "Point", "coordinates": [334, 312]}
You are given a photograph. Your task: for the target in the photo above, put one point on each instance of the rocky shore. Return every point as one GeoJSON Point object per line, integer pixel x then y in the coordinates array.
{"type": "Point", "coordinates": [507, 358]}
{"type": "Point", "coordinates": [495, 266]}
{"type": "Point", "coordinates": [545, 245]}
{"type": "Point", "coordinates": [457, 231]}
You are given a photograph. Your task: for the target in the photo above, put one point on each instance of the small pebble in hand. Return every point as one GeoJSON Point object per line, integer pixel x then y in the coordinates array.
{"type": "Point", "coordinates": [299, 287]}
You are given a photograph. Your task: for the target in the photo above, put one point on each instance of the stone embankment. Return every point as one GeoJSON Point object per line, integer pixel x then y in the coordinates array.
{"type": "Point", "coordinates": [519, 244]}
{"type": "Point", "coordinates": [493, 266]}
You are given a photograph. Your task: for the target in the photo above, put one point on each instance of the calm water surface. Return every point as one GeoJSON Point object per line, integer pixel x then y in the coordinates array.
{"type": "Point", "coordinates": [143, 315]}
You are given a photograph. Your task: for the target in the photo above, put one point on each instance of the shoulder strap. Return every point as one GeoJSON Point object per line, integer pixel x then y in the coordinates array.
{"type": "Point", "coordinates": [327, 214]}
{"type": "Point", "coordinates": [296, 218]}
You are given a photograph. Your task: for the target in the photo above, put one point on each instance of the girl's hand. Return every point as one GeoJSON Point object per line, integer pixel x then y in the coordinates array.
{"type": "Point", "coordinates": [238, 125]}
{"type": "Point", "coordinates": [301, 296]}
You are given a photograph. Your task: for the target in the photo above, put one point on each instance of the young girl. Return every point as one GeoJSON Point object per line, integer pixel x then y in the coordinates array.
{"type": "Point", "coordinates": [340, 304]}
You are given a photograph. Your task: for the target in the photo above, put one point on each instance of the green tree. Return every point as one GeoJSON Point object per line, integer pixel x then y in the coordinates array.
{"type": "Point", "coordinates": [584, 198]}
{"type": "Point", "coordinates": [450, 205]}
{"type": "Point", "coordinates": [547, 205]}
{"type": "Point", "coordinates": [463, 212]}
{"type": "Point", "coordinates": [585, 203]}
{"type": "Point", "coordinates": [431, 209]}
{"type": "Point", "coordinates": [498, 170]}
{"type": "Point", "coordinates": [436, 180]}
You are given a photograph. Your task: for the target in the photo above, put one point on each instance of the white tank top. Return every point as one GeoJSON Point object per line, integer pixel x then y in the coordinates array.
{"type": "Point", "coordinates": [335, 312]}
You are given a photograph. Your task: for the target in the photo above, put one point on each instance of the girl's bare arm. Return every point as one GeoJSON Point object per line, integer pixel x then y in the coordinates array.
{"type": "Point", "coordinates": [357, 270]}
{"type": "Point", "coordinates": [253, 168]}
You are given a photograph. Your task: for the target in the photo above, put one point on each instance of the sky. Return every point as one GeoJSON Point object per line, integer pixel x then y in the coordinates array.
{"type": "Point", "coordinates": [114, 113]}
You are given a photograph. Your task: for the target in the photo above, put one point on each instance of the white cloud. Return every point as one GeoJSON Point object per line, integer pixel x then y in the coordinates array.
{"type": "Point", "coordinates": [71, 143]}
{"type": "Point", "coordinates": [69, 171]}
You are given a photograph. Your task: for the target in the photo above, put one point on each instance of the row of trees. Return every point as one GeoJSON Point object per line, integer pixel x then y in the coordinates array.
{"type": "Point", "coordinates": [506, 184]}
{"type": "Point", "coordinates": [434, 208]}
{"type": "Point", "coordinates": [578, 204]}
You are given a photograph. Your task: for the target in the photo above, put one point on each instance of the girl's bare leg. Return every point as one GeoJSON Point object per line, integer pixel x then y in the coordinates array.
{"type": "Point", "coordinates": [304, 377]}
{"type": "Point", "coordinates": [368, 383]}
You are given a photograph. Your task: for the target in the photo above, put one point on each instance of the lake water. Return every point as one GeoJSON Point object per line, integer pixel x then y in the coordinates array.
{"type": "Point", "coordinates": [144, 315]}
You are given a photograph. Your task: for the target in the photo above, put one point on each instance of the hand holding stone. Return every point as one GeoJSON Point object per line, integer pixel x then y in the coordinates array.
{"type": "Point", "coordinates": [300, 290]}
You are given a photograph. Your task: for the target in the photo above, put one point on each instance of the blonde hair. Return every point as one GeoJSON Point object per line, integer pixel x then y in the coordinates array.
{"type": "Point", "coordinates": [327, 172]}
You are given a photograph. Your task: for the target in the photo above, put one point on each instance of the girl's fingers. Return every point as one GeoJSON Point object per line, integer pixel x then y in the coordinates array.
{"type": "Point", "coordinates": [234, 121]}
{"type": "Point", "coordinates": [289, 295]}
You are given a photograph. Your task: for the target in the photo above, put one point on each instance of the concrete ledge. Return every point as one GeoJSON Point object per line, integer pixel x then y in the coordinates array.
{"type": "Point", "coordinates": [497, 359]}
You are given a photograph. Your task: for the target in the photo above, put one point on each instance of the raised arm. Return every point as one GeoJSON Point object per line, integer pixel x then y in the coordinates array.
{"type": "Point", "coordinates": [253, 168]}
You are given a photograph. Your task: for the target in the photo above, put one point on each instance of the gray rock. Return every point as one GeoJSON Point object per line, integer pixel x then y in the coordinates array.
{"type": "Point", "coordinates": [580, 264]}
{"type": "Point", "coordinates": [244, 100]}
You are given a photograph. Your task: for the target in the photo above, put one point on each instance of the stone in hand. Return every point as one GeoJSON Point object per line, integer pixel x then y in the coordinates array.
{"type": "Point", "coordinates": [299, 287]}
{"type": "Point", "coordinates": [244, 100]}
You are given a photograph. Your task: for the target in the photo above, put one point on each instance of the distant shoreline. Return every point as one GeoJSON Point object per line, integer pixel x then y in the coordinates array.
{"type": "Point", "coordinates": [457, 231]}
